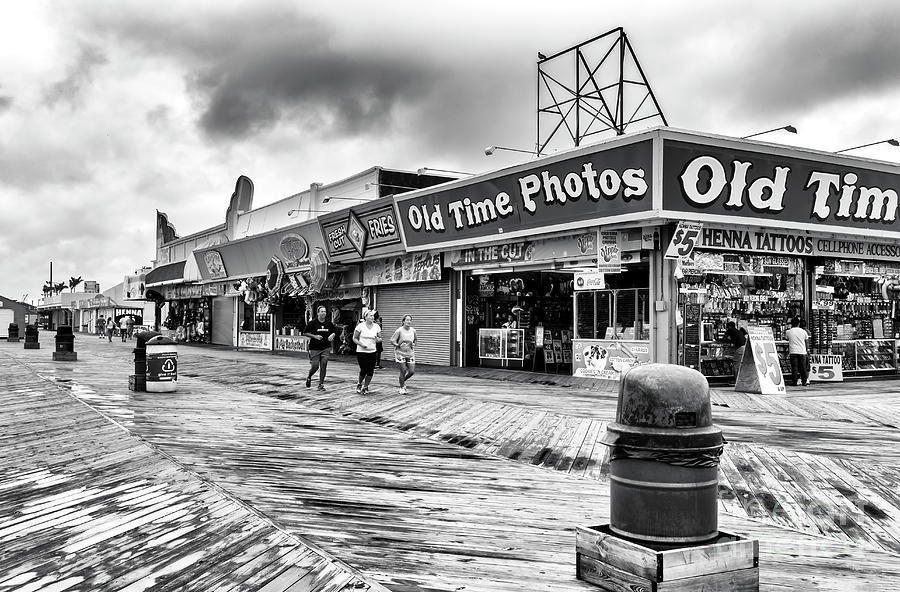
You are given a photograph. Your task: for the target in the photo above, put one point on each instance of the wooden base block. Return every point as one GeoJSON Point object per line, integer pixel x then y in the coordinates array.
{"type": "Point", "coordinates": [32, 345]}
{"type": "Point", "coordinates": [729, 562]}
{"type": "Point", "coordinates": [65, 356]}
{"type": "Point", "coordinates": [137, 383]}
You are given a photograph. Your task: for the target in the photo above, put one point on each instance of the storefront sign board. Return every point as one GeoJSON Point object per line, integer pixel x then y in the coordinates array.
{"type": "Point", "coordinates": [760, 369]}
{"type": "Point", "coordinates": [412, 267]}
{"type": "Point", "coordinates": [294, 343]}
{"type": "Point", "coordinates": [826, 367]}
{"type": "Point", "coordinates": [357, 232]}
{"type": "Point", "coordinates": [255, 340]}
{"type": "Point", "coordinates": [608, 183]}
{"type": "Point", "coordinates": [589, 280]}
{"type": "Point", "coordinates": [788, 191]}
{"type": "Point", "coordinates": [794, 243]}
{"type": "Point", "coordinates": [187, 291]}
{"type": "Point", "coordinates": [607, 359]}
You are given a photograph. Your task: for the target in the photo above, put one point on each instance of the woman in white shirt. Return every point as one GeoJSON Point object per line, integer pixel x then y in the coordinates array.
{"type": "Point", "coordinates": [366, 337]}
{"type": "Point", "coordinates": [404, 342]}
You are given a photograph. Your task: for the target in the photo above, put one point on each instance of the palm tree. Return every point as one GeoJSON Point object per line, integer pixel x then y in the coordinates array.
{"type": "Point", "coordinates": [74, 281]}
{"type": "Point", "coordinates": [58, 288]}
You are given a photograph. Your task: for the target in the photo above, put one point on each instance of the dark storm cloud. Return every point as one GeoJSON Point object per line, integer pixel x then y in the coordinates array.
{"type": "Point", "coordinates": [79, 75]}
{"type": "Point", "coordinates": [254, 69]}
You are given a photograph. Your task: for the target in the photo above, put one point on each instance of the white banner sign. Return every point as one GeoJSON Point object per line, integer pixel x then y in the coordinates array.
{"type": "Point", "coordinates": [826, 367]}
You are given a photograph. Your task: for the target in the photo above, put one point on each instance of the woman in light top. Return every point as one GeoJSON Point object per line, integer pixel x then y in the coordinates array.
{"type": "Point", "coordinates": [366, 337]}
{"type": "Point", "coordinates": [404, 342]}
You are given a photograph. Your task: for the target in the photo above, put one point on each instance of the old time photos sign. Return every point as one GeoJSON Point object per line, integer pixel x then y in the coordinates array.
{"type": "Point", "coordinates": [604, 184]}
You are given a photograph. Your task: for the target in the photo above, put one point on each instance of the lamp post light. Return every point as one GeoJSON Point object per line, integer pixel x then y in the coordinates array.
{"type": "Point", "coordinates": [787, 128]}
{"type": "Point", "coordinates": [426, 170]}
{"type": "Point", "coordinates": [890, 141]}
{"type": "Point", "coordinates": [491, 149]}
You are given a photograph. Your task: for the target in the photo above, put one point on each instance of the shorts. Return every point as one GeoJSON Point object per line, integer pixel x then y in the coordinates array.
{"type": "Point", "coordinates": [403, 359]}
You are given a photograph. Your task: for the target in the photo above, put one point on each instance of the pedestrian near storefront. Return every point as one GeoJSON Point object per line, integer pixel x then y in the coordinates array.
{"type": "Point", "coordinates": [735, 341]}
{"type": "Point", "coordinates": [129, 323]}
{"type": "Point", "coordinates": [101, 327]}
{"type": "Point", "coordinates": [123, 328]}
{"type": "Point", "coordinates": [379, 348]}
{"type": "Point", "coordinates": [404, 342]}
{"type": "Point", "coordinates": [797, 338]}
{"type": "Point", "coordinates": [110, 328]}
{"type": "Point", "coordinates": [366, 337]}
{"type": "Point", "coordinates": [321, 333]}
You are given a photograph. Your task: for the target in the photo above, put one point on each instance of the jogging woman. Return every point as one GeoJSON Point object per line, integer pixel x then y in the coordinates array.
{"type": "Point", "coordinates": [404, 342]}
{"type": "Point", "coordinates": [366, 337]}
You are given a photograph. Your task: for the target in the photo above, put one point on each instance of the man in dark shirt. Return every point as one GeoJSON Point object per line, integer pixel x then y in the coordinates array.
{"type": "Point", "coordinates": [321, 333]}
{"type": "Point", "coordinates": [735, 339]}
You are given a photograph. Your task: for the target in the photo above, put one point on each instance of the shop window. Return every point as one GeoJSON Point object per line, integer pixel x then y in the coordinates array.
{"type": "Point", "coordinates": [749, 290]}
{"type": "Point", "coordinates": [614, 314]}
{"type": "Point", "coordinates": [256, 317]}
{"type": "Point", "coordinates": [855, 314]}
{"type": "Point", "coordinates": [190, 320]}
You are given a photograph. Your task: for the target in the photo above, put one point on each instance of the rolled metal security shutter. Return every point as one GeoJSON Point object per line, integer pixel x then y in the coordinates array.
{"type": "Point", "coordinates": [430, 305]}
{"type": "Point", "coordinates": [222, 320]}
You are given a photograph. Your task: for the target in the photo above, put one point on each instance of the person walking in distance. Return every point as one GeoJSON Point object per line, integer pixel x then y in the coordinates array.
{"type": "Point", "coordinates": [321, 333]}
{"type": "Point", "coordinates": [110, 327]}
{"type": "Point", "coordinates": [123, 328]}
{"type": "Point", "coordinates": [380, 346]}
{"type": "Point", "coordinates": [366, 337]}
{"type": "Point", "coordinates": [797, 338]}
{"type": "Point", "coordinates": [404, 342]}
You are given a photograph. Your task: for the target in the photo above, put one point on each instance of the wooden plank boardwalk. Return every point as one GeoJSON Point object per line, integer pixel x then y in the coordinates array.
{"type": "Point", "coordinates": [85, 505]}
{"type": "Point", "coordinates": [419, 492]}
{"type": "Point", "coordinates": [756, 481]}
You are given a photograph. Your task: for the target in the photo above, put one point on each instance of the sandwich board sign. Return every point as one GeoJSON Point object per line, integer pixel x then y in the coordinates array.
{"type": "Point", "coordinates": [760, 369]}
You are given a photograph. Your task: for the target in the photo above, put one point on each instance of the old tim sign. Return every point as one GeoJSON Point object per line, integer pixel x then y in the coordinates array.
{"type": "Point", "coordinates": [567, 193]}
{"type": "Point", "coordinates": [710, 180]}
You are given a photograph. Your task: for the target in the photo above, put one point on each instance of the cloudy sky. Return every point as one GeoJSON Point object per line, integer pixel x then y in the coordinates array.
{"type": "Point", "coordinates": [112, 109]}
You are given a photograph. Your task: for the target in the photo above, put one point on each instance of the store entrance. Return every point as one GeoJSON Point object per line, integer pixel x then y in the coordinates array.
{"type": "Point", "coordinates": [505, 314]}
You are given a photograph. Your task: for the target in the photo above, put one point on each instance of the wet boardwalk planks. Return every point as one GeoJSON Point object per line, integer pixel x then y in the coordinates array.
{"type": "Point", "coordinates": [84, 505]}
{"type": "Point", "coordinates": [819, 476]}
{"type": "Point", "coordinates": [396, 505]}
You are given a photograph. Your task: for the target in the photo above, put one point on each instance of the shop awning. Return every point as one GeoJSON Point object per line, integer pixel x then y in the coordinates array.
{"type": "Point", "coordinates": [165, 274]}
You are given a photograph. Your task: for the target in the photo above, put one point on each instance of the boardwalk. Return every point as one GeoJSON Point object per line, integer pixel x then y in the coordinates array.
{"type": "Point", "coordinates": [476, 484]}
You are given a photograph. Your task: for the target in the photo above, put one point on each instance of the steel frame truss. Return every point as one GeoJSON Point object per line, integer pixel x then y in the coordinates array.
{"type": "Point", "coordinates": [591, 104]}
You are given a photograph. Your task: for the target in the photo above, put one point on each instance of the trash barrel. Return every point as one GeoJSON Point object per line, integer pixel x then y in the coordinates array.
{"type": "Point", "coordinates": [12, 334]}
{"type": "Point", "coordinates": [162, 365]}
{"type": "Point", "coordinates": [65, 344]}
{"type": "Point", "coordinates": [138, 381]}
{"type": "Point", "coordinates": [31, 337]}
{"type": "Point", "coordinates": [664, 460]}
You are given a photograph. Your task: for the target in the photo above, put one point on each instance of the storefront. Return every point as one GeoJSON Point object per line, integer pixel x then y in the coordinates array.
{"type": "Point", "coordinates": [786, 234]}
{"type": "Point", "coordinates": [521, 303]}
{"type": "Point", "coordinates": [779, 233]}
{"type": "Point", "coordinates": [271, 283]}
{"type": "Point", "coordinates": [366, 240]}
{"type": "Point", "coordinates": [518, 237]}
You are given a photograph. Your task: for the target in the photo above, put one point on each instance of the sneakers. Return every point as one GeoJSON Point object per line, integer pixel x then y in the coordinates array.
{"type": "Point", "coordinates": [403, 390]}
{"type": "Point", "coordinates": [359, 389]}
{"type": "Point", "coordinates": [321, 387]}
{"type": "Point", "coordinates": [308, 382]}
{"type": "Point", "coordinates": [365, 391]}
{"type": "Point", "coordinates": [806, 383]}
